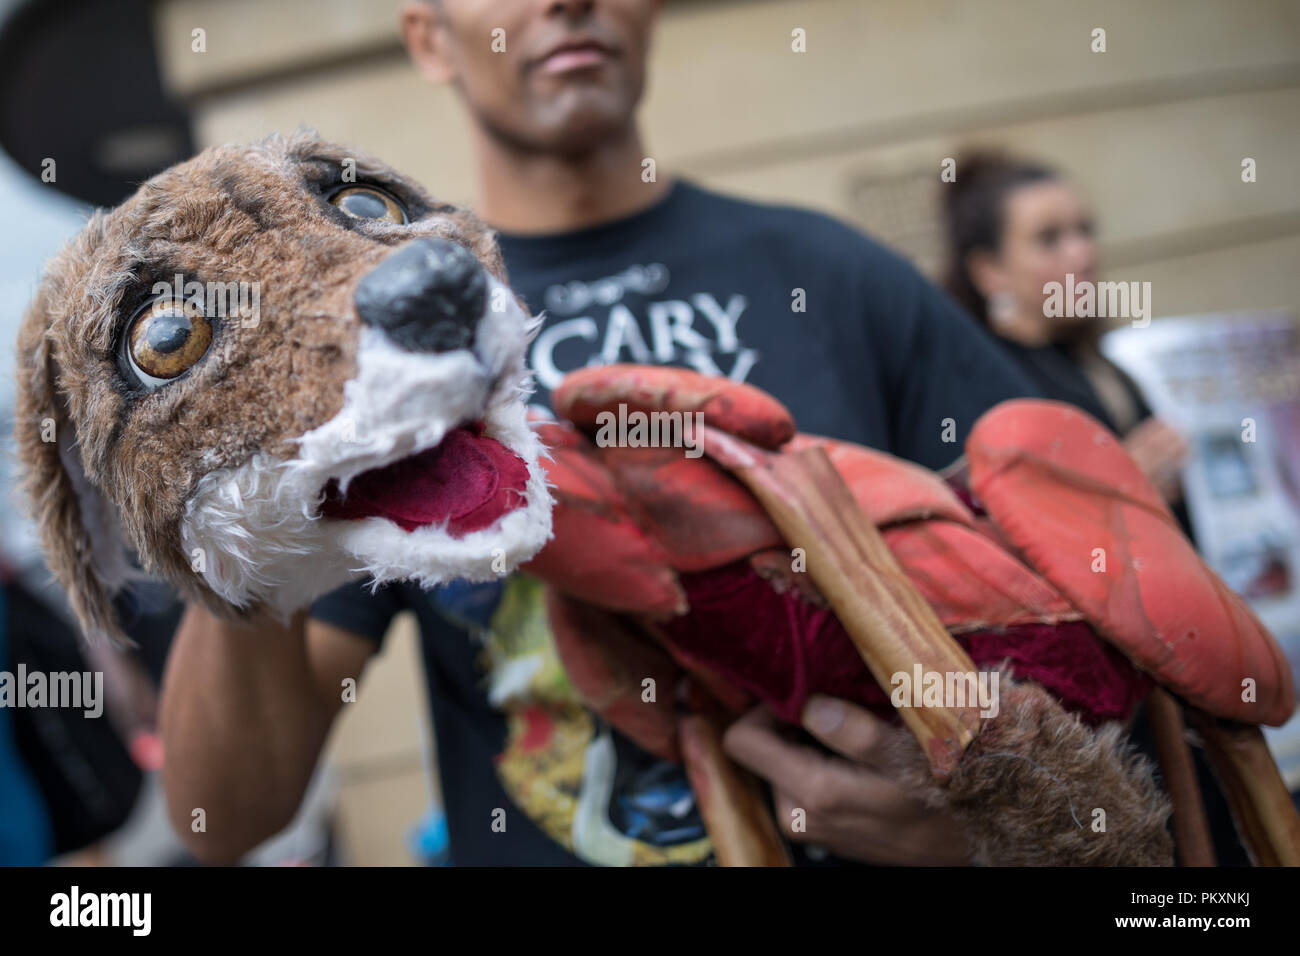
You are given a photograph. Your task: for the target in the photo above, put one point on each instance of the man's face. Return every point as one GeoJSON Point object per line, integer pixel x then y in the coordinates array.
{"type": "Point", "coordinates": [552, 75]}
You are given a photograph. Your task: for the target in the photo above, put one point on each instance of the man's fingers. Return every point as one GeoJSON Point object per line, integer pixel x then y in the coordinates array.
{"type": "Point", "coordinates": [755, 742]}
{"type": "Point", "coordinates": [847, 729]}
{"type": "Point", "coordinates": [796, 823]}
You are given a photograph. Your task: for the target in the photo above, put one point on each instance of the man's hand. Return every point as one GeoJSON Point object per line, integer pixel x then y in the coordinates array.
{"type": "Point", "coordinates": [1160, 452]}
{"type": "Point", "coordinates": [852, 806]}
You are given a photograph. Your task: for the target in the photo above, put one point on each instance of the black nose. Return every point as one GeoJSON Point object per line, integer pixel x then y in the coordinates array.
{"type": "Point", "coordinates": [427, 296]}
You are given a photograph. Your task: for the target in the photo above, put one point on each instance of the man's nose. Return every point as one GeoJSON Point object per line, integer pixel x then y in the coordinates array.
{"type": "Point", "coordinates": [427, 296]}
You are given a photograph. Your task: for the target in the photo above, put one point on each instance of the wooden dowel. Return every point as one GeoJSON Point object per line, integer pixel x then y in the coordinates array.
{"type": "Point", "coordinates": [1191, 827]}
{"type": "Point", "coordinates": [1257, 795]}
{"type": "Point", "coordinates": [731, 802]}
{"type": "Point", "coordinates": [892, 625]}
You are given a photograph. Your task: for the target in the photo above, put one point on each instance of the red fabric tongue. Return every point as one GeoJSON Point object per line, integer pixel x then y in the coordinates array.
{"type": "Point", "coordinates": [467, 481]}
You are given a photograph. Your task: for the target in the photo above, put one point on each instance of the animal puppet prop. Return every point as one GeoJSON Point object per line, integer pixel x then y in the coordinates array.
{"type": "Point", "coordinates": [366, 419]}
{"type": "Point", "coordinates": [362, 416]}
{"type": "Point", "coordinates": [781, 564]}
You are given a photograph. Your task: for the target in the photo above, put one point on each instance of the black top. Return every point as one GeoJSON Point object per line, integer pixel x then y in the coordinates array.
{"type": "Point", "coordinates": [1056, 374]}
{"type": "Point", "coordinates": [847, 334]}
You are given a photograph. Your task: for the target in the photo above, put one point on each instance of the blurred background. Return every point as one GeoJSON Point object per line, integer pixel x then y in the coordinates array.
{"type": "Point", "coordinates": [1154, 131]}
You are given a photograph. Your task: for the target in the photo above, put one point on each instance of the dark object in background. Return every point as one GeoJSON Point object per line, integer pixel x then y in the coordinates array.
{"type": "Point", "coordinates": [104, 137]}
{"type": "Point", "coordinates": [82, 767]}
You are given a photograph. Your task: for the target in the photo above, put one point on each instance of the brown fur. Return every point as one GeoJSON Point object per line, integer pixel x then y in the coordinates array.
{"type": "Point", "coordinates": [1026, 792]}
{"type": "Point", "coordinates": [231, 214]}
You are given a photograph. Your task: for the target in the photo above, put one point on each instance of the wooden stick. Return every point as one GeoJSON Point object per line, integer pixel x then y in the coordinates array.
{"type": "Point", "coordinates": [733, 806]}
{"type": "Point", "coordinates": [1191, 827]}
{"type": "Point", "coordinates": [1260, 802]}
{"type": "Point", "coordinates": [892, 625]}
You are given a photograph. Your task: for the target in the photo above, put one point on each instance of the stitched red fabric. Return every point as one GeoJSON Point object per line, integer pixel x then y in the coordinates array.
{"type": "Point", "coordinates": [781, 649]}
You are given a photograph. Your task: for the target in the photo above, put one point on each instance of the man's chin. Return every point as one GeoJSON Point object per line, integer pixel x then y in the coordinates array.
{"type": "Point", "coordinates": [582, 117]}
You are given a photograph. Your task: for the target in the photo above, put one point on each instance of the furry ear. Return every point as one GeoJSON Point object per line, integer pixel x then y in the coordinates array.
{"type": "Point", "coordinates": [82, 543]}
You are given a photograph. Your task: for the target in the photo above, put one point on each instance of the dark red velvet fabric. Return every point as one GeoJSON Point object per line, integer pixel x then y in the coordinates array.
{"type": "Point", "coordinates": [781, 649]}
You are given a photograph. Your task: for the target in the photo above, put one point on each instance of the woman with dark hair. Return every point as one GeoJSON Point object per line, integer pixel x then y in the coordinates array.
{"type": "Point", "coordinates": [1013, 227]}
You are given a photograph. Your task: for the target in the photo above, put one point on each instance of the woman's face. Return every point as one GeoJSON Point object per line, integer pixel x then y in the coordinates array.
{"type": "Point", "coordinates": [1047, 234]}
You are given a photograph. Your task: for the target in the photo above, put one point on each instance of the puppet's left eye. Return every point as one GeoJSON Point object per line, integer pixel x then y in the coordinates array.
{"type": "Point", "coordinates": [165, 339]}
{"type": "Point", "coordinates": [367, 202]}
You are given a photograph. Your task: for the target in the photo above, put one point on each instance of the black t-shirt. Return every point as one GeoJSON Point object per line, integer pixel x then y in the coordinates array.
{"type": "Point", "coordinates": [855, 342]}
{"type": "Point", "coordinates": [1057, 374]}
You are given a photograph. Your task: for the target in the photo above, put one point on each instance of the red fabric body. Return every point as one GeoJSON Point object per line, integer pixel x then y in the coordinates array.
{"type": "Point", "coordinates": [1078, 510]}
{"type": "Point", "coordinates": [781, 649]}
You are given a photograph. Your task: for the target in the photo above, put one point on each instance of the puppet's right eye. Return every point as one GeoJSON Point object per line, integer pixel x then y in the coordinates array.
{"type": "Point", "coordinates": [165, 339]}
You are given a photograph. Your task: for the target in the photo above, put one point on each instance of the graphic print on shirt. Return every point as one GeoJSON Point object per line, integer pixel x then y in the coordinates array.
{"type": "Point", "coordinates": [630, 317]}
{"type": "Point", "coordinates": [585, 786]}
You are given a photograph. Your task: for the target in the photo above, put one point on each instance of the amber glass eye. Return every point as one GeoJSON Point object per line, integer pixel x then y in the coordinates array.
{"type": "Point", "coordinates": [367, 202]}
{"type": "Point", "coordinates": [166, 338]}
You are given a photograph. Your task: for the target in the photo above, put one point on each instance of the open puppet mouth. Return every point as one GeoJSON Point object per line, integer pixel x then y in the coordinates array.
{"type": "Point", "coordinates": [467, 481]}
